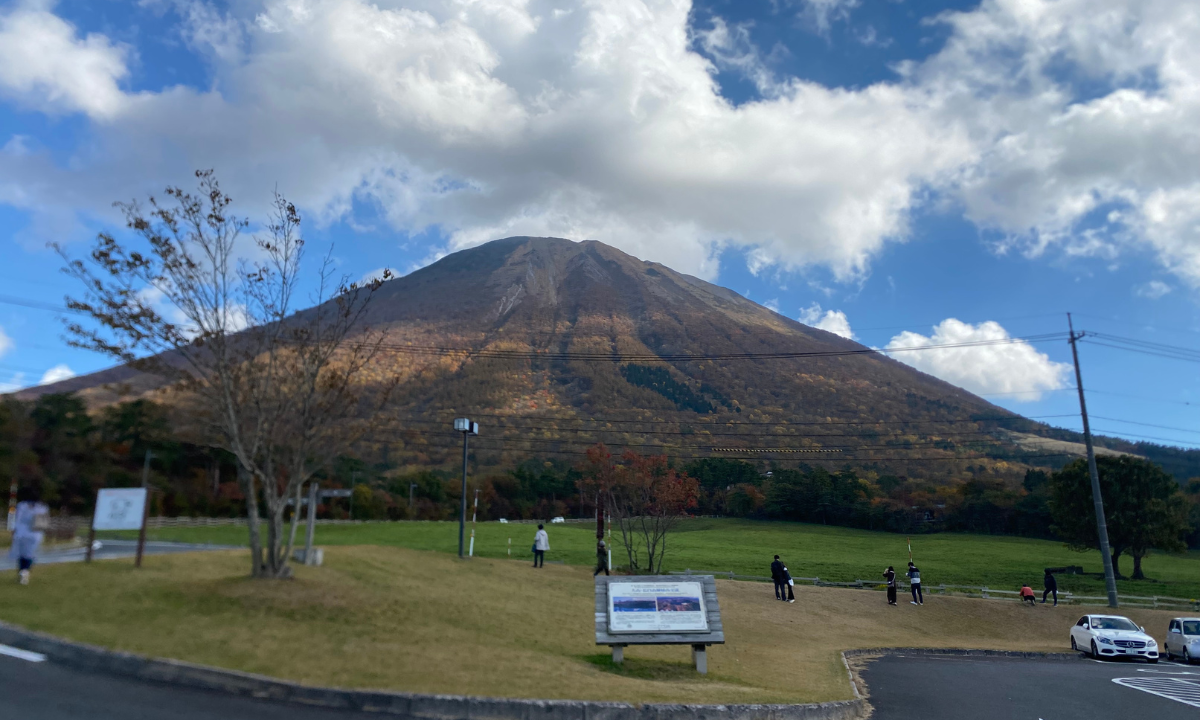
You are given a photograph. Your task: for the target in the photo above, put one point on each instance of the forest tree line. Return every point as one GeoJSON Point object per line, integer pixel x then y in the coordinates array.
{"type": "Point", "coordinates": [69, 453]}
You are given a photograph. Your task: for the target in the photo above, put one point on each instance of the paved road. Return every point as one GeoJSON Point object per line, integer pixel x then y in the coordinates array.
{"type": "Point", "coordinates": [112, 549]}
{"type": "Point", "coordinates": [46, 691]}
{"type": "Point", "coordinates": [958, 688]}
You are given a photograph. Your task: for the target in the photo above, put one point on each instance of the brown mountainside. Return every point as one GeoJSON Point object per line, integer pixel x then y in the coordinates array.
{"type": "Point", "coordinates": [559, 334]}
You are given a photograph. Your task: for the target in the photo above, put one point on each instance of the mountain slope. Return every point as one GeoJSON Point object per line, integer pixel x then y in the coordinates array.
{"type": "Point", "coordinates": [572, 343]}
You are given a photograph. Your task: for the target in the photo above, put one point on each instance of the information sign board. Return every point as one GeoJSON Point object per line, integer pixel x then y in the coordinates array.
{"type": "Point", "coordinates": [656, 607]}
{"type": "Point", "coordinates": [120, 509]}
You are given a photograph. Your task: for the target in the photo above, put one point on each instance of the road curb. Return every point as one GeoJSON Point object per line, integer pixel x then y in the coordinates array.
{"type": "Point", "coordinates": [961, 652]}
{"type": "Point", "coordinates": [411, 705]}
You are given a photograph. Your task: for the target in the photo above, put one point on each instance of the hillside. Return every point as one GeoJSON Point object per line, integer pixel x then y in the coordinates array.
{"type": "Point", "coordinates": [573, 343]}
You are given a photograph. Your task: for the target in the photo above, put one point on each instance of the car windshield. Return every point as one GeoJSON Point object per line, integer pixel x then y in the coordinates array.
{"type": "Point", "coordinates": [1111, 623]}
{"type": "Point", "coordinates": [1191, 627]}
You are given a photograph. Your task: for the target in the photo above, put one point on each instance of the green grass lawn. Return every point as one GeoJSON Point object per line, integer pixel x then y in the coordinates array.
{"type": "Point", "coordinates": [746, 547]}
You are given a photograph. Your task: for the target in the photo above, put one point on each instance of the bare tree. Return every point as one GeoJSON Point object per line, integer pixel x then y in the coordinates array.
{"type": "Point", "coordinates": [644, 496]}
{"type": "Point", "coordinates": [283, 391]}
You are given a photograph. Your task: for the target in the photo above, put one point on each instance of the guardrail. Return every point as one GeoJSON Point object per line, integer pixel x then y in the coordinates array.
{"type": "Point", "coordinates": [984, 592]}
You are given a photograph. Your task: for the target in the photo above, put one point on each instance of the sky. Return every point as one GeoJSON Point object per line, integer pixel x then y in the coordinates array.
{"type": "Point", "coordinates": [905, 173]}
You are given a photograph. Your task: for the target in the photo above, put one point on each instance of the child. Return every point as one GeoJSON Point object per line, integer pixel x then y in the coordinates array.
{"type": "Point", "coordinates": [1027, 594]}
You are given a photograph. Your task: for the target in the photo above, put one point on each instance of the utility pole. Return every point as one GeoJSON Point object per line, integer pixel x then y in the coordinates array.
{"type": "Point", "coordinates": [1110, 580]}
{"type": "Point", "coordinates": [467, 428]}
{"type": "Point", "coordinates": [141, 548]}
{"type": "Point", "coordinates": [474, 512]}
{"type": "Point", "coordinates": [412, 488]}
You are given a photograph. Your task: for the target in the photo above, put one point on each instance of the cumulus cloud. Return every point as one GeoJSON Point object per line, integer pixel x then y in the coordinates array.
{"type": "Point", "coordinates": [1013, 368]}
{"type": "Point", "coordinates": [15, 382]}
{"type": "Point", "coordinates": [46, 65]}
{"type": "Point", "coordinates": [56, 374]}
{"type": "Point", "coordinates": [1056, 125]}
{"type": "Point", "coordinates": [1152, 290]}
{"type": "Point", "coordinates": [833, 321]}
{"type": "Point", "coordinates": [6, 343]}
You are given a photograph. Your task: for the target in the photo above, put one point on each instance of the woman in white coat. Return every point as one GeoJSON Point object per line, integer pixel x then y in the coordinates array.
{"type": "Point", "coordinates": [541, 543]}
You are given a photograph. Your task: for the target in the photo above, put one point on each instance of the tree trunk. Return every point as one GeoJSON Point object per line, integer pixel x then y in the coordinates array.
{"type": "Point", "coordinates": [1117, 568]}
{"type": "Point", "coordinates": [246, 480]}
{"type": "Point", "coordinates": [1137, 566]}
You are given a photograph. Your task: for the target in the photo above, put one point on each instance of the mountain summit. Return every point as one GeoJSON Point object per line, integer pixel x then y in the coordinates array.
{"type": "Point", "coordinates": [554, 345]}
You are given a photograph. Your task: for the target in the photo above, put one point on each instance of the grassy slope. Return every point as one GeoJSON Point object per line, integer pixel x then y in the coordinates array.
{"type": "Point", "coordinates": [378, 617]}
{"type": "Point", "coordinates": [746, 547]}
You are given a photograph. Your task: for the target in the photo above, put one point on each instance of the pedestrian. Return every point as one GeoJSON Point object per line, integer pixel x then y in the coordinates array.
{"type": "Point", "coordinates": [890, 574]}
{"type": "Point", "coordinates": [1027, 594]}
{"type": "Point", "coordinates": [914, 581]}
{"type": "Point", "coordinates": [788, 583]}
{"type": "Point", "coordinates": [32, 519]}
{"type": "Point", "coordinates": [601, 558]}
{"type": "Point", "coordinates": [541, 543]}
{"type": "Point", "coordinates": [1051, 586]}
{"type": "Point", "coordinates": [778, 578]}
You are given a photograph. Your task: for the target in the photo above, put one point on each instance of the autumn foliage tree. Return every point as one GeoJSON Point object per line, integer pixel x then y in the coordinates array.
{"type": "Point", "coordinates": [645, 498]}
{"type": "Point", "coordinates": [186, 297]}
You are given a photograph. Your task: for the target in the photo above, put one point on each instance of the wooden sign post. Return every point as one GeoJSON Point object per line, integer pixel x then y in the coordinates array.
{"type": "Point", "coordinates": [659, 610]}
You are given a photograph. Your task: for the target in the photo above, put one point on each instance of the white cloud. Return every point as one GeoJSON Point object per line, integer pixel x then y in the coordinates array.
{"type": "Point", "coordinates": [45, 65]}
{"type": "Point", "coordinates": [15, 382]}
{"type": "Point", "coordinates": [772, 304]}
{"type": "Point", "coordinates": [6, 343]}
{"type": "Point", "coordinates": [1070, 126]}
{"type": "Point", "coordinates": [834, 321]}
{"type": "Point", "coordinates": [1152, 290]}
{"type": "Point", "coordinates": [1011, 368]}
{"type": "Point", "coordinates": [57, 373]}
{"type": "Point", "coordinates": [487, 119]}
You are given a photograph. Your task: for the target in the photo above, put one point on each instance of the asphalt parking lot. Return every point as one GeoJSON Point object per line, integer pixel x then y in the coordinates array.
{"type": "Point", "coordinates": [933, 687]}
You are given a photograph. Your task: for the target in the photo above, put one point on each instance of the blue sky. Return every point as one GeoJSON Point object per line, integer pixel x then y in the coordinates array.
{"type": "Point", "coordinates": [877, 168]}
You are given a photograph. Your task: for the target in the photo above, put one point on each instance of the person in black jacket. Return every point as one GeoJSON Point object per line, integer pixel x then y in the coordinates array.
{"type": "Point", "coordinates": [787, 582]}
{"type": "Point", "coordinates": [890, 574]}
{"type": "Point", "coordinates": [779, 578]}
{"type": "Point", "coordinates": [1051, 586]}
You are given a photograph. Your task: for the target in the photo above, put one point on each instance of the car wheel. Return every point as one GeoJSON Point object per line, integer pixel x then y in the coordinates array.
{"type": "Point", "coordinates": [1187, 657]}
{"type": "Point", "coordinates": [1095, 651]}
{"type": "Point", "coordinates": [1074, 647]}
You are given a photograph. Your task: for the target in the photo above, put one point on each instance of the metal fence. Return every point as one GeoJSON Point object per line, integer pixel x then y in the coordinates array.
{"type": "Point", "coordinates": [987, 593]}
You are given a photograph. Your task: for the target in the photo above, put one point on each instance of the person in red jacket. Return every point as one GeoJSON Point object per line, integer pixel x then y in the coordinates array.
{"type": "Point", "coordinates": [1027, 594]}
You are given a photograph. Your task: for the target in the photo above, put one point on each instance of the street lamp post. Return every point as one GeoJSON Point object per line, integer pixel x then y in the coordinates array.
{"type": "Point", "coordinates": [467, 427]}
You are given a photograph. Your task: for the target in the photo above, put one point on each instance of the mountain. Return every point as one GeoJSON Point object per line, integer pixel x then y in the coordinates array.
{"type": "Point", "coordinates": [572, 343]}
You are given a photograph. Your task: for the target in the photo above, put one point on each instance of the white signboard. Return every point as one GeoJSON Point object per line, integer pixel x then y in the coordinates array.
{"type": "Point", "coordinates": [120, 509]}
{"type": "Point", "coordinates": [656, 607]}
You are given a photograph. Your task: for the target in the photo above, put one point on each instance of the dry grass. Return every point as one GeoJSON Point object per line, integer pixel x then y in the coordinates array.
{"type": "Point", "coordinates": [400, 619]}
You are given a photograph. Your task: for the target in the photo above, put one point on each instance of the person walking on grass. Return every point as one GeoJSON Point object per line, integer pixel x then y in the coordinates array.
{"type": "Point", "coordinates": [1051, 586]}
{"type": "Point", "coordinates": [32, 518]}
{"type": "Point", "coordinates": [890, 575]}
{"type": "Point", "coordinates": [541, 543]}
{"type": "Point", "coordinates": [778, 578]}
{"type": "Point", "coordinates": [601, 558]}
{"type": "Point", "coordinates": [914, 581]}
{"type": "Point", "coordinates": [1027, 595]}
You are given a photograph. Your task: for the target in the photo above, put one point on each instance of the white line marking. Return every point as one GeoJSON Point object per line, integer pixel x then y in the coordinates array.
{"type": "Point", "coordinates": [22, 654]}
{"type": "Point", "coordinates": [1177, 689]}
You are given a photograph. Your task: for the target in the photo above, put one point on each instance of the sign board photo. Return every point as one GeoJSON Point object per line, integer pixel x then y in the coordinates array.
{"type": "Point", "coordinates": [120, 509]}
{"type": "Point", "coordinates": [658, 607]}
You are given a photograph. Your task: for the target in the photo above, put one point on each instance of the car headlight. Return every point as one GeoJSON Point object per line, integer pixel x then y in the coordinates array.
{"type": "Point", "coordinates": [1151, 643]}
{"type": "Point", "coordinates": [1105, 641]}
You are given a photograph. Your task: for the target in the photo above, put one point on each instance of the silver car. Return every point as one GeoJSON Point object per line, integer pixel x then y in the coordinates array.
{"type": "Point", "coordinates": [1183, 639]}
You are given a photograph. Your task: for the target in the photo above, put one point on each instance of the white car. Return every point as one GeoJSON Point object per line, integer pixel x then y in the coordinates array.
{"type": "Point", "coordinates": [1112, 636]}
{"type": "Point", "coordinates": [1183, 639]}
{"type": "Point", "coordinates": [558, 519]}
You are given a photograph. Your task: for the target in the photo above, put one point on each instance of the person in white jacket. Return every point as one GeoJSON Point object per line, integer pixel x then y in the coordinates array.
{"type": "Point", "coordinates": [541, 543]}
